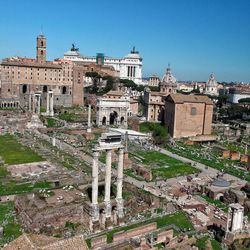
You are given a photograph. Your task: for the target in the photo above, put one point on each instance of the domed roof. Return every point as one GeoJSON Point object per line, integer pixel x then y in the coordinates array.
{"type": "Point", "coordinates": [133, 54]}
{"type": "Point", "coordinates": [168, 77]}
{"type": "Point", "coordinates": [73, 51]}
{"type": "Point", "coordinates": [220, 183]}
{"type": "Point", "coordinates": [212, 81]}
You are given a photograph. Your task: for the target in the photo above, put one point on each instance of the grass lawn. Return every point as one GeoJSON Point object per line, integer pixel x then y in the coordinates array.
{"type": "Point", "coordinates": [3, 171]}
{"type": "Point", "coordinates": [179, 219]}
{"type": "Point", "coordinates": [217, 203]}
{"type": "Point", "coordinates": [13, 152]}
{"type": "Point", "coordinates": [165, 166]}
{"type": "Point", "coordinates": [191, 151]}
{"type": "Point", "coordinates": [11, 229]}
{"type": "Point", "coordinates": [14, 188]}
{"type": "Point", "coordinates": [202, 242]}
{"type": "Point", "coordinates": [51, 123]}
{"type": "Point", "coordinates": [216, 245]}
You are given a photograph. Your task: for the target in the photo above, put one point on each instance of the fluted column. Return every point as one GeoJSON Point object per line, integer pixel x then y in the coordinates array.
{"type": "Point", "coordinates": [108, 183]}
{"type": "Point", "coordinates": [119, 199]}
{"type": "Point", "coordinates": [95, 207]}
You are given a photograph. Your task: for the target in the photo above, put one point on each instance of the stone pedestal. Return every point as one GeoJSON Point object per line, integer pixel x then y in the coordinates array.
{"type": "Point", "coordinates": [108, 222]}
{"type": "Point", "coordinates": [35, 122]}
{"type": "Point", "coordinates": [95, 226]}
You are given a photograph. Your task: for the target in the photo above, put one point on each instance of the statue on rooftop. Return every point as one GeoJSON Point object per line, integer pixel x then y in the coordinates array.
{"type": "Point", "coordinates": [74, 48]}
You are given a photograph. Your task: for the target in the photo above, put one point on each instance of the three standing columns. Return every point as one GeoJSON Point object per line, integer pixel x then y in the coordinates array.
{"type": "Point", "coordinates": [108, 175]}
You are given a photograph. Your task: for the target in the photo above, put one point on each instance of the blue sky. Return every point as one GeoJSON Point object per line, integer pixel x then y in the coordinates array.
{"type": "Point", "coordinates": [196, 37]}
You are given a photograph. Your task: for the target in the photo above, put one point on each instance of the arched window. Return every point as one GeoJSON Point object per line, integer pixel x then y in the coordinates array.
{"type": "Point", "coordinates": [24, 90]}
{"type": "Point", "coordinates": [64, 90]}
{"type": "Point", "coordinates": [45, 89]}
{"type": "Point", "coordinates": [41, 52]}
{"type": "Point", "coordinates": [41, 43]}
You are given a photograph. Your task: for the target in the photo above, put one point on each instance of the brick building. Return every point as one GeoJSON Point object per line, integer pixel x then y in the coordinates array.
{"type": "Point", "coordinates": [154, 100]}
{"type": "Point", "coordinates": [20, 76]}
{"type": "Point", "coordinates": [188, 115]}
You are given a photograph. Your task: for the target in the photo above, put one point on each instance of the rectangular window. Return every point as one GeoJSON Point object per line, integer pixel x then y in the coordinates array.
{"type": "Point", "coordinates": [193, 111]}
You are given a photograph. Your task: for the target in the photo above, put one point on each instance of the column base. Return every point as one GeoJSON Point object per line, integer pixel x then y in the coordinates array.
{"type": "Point", "coordinates": [120, 211]}
{"type": "Point", "coordinates": [95, 226]}
{"type": "Point", "coordinates": [88, 130]}
{"type": "Point", "coordinates": [108, 223]}
{"type": "Point", "coordinates": [120, 221]}
{"type": "Point", "coordinates": [95, 212]}
{"type": "Point", "coordinates": [108, 208]}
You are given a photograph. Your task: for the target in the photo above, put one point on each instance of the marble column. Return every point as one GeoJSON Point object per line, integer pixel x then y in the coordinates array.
{"type": "Point", "coordinates": [30, 102]}
{"type": "Point", "coordinates": [51, 103]}
{"type": "Point", "coordinates": [48, 106]}
{"type": "Point", "coordinates": [119, 199]}
{"type": "Point", "coordinates": [89, 119]}
{"type": "Point", "coordinates": [95, 207]}
{"type": "Point", "coordinates": [108, 183]}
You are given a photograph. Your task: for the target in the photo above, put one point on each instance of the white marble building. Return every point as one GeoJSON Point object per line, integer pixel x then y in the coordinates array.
{"type": "Point", "coordinates": [128, 67]}
{"type": "Point", "coordinates": [211, 87]}
{"type": "Point", "coordinates": [112, 112]}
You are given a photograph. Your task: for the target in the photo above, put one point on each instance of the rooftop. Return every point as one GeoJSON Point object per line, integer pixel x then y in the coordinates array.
{"type": "Point", "coordinates": [180, 98]}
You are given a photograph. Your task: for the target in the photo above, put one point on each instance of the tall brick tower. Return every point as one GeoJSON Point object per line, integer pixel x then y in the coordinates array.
{"type": "Point", "coordinates": [41, 49]}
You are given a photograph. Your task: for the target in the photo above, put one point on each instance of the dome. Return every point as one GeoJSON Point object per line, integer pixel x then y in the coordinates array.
{"type": "Point", "coordinates": [72, 53]}
{"type": "Point", "coordinates": [220, 183]}
{"type": "Point", "coordinates": [211, 81]}
{"type": "Point", "coordinates": [168, 77]}
{"type": "Point", "coordinates": [133, 54]}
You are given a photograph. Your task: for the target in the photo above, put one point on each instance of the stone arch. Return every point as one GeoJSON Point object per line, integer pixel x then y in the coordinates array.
{"type": "Point", "coordinates": [24, 88]}
{"type": "Point", "coordinates": [104, 120]}
{"type": "Point", "coordinates": [122, 120]}
{"type": "Point", "coordinates": [113, 118]}
{"type": "Point", "coordinates": [45, 89]}
{"type": "Point", "coordinates": [64, 90]}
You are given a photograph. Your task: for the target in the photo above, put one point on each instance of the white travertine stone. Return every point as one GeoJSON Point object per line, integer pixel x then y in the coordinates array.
{"type": "Point", "coordinates": [89, 119]}
{"type": "Point", "coordinates": [119, 183]}
{"type": "Point", "coordinates": [95, 208]}
{"type": "Point", "coordinates": [108, 183]}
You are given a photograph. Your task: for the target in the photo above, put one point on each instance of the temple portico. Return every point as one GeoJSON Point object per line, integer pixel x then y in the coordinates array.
{"type": "Point", "coordinates": [107, 143]}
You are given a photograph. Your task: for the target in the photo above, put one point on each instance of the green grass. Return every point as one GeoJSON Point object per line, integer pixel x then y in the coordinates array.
{"type": "Point", "coordinates": [12, 152]}
{"type": "Point", "coordinates": [12, 187]}
{"type": "Point", "coordinates": [202, 242]}
{"type": "Point", "coordinates": [235, 147]}
{"type": "Point", "coordinates": [11, 229]}
{"type": "Point", "coordinates": [165, 166]}
{"type": "Point", "coordinates": [3, 171]}
{"type": "Point", "coordinates": [189, 151]}
{"type": "Point", "coordinates": [216, 245]}
{"type": "Point", "coordinates": [179, 219]}
{"type": "Point", "coordinates": [52, 123]}
{"type": "Point", "coordinates": [217, 203]}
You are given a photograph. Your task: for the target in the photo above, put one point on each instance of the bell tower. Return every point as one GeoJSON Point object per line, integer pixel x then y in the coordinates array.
{"type": "Point", "coordinates": [41, 49]}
